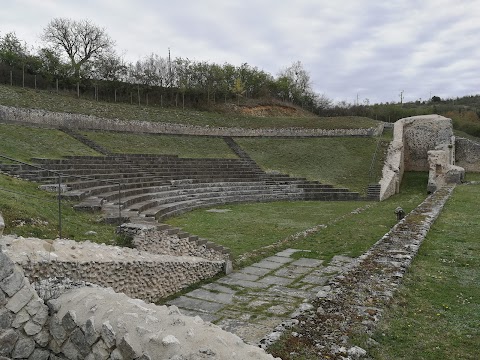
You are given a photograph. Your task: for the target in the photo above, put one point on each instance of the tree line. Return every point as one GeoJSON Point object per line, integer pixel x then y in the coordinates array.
{"type": "Point", "coordinates": [80, 55]}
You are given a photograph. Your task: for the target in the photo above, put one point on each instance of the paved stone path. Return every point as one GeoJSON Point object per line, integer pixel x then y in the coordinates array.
{"type": "Point", "coordinates": [253, 301]}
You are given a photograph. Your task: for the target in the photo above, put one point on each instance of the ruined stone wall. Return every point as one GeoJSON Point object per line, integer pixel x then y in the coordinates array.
{"type": "Point", "coordinates": [166, 240]}
{"type": "Point", "coordinates": [467, 154]}
{"type": "Point", "coordinates": [421, 134]}
{"type": "Point", "coordinates": [23, 316]}
{"type": "Point", "coordinates": [49, 119]}
{"type": "Point", "coordinates": [97, 323]}
{"type": "Point", "coordinates": [413, 137]}
{"type": "Point", "coordinates": [138, 274]}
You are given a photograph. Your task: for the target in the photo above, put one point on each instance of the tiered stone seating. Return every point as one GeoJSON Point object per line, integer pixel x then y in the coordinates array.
{"type": "Point", "coordinates": [148, 187]}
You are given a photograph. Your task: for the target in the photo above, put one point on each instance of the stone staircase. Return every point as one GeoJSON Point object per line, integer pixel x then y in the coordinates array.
{"type": "Point", "coordinates": [150, 187]}
{"type": "Point", "coordinates": [86, 141]}
{"type": "Point", "coordinates": [373, 192]}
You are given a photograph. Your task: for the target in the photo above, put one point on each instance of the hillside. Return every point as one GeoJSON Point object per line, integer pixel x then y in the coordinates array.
{"type": "Point", "coordinates": [247, 115]}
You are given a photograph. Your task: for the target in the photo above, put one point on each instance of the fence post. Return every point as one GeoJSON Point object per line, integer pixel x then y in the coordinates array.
{"type": "Point", "coordinates": [119, 203]}
{"type": "Point", "coordinates": [11, 78]}
{"type": "Point", "coordinates": [59, 206]}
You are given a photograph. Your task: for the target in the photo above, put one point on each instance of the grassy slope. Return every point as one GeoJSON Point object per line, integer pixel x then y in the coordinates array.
{"type": "Point", "coordinates": [23, 143]}
{"type": "Point", "coordinates": [339, 161]}
{"type": "Point", "coordinates": [23, 202]}
{"type": "Point", "coordinates": [28, 98]}
{"type": "Point", "coordinates": [183, 146]}
{"type": "Point", "coordinates": [436, 314]}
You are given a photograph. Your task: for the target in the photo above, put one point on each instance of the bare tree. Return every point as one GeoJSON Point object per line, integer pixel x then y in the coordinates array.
{"type": "Point", "coordinates": [82, 41]}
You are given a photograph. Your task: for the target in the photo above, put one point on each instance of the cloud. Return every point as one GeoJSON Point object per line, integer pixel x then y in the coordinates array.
{"type": "Point", "coordinates": [373, 49]}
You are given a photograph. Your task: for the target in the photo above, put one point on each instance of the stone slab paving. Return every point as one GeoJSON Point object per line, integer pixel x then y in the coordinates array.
{"type": "Point", "coordinates": [253, 301]}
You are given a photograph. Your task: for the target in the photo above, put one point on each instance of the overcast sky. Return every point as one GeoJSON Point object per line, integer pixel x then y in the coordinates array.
{"type": "Point", "coordinates": [370, 48]}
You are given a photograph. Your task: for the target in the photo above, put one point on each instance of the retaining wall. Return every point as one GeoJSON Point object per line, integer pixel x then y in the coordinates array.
{"type": "Point", "coordinates": [23, 316]}
{"type": "Point", "coordinates": [467, 154]}
{"type": "Point", "coordinates": [96, 323]}
{"type": "Point", "coordinates": [56, 120]}
{"type": "Point", "coordinates": [138, 274]}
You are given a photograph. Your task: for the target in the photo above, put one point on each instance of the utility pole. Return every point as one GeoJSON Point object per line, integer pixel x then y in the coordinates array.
{"type": "Point", "coordinates": [401, 97]}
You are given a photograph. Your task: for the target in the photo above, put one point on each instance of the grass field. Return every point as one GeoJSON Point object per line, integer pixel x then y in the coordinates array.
{"type": "Point", "coordinates": [183, 146]}
{"type": "Point", "coordinates": [340, 161]}
{"type": "Point", "coordinates": [30, 212]}
{"type": "Point", "coordinates": [23, 143]}
{"type": "Point", "coordinates": [436, 314]}
{"type": "Point", "coordinates": [252, 229]}
{"type": "Point", "coordinates": [28, 98]}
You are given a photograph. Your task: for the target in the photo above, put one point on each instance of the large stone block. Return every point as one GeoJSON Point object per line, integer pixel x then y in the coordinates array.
{"type": "Point", "coordinates": [20, 299]}
{"type": "Point", "coordinates": [8, 339]}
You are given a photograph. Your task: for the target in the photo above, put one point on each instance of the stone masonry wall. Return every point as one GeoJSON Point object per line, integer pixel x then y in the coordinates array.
{"type": "Point", "coordinates": [23, 316]}
{"type": "Point", "coordinates": [165, 240]}
{"type": "Point", "coordinates": [138, 274]}
{"type": "Point", "coordinates": [55, 120]}
{"type": "Point", "coordinates": [467, 154]}
{"type": "Point", "coordinates": [96, 323]}
{"type": "Point", "coordinates": [413, 137]}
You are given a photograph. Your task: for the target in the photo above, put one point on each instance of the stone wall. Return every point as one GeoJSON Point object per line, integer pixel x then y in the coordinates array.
{"type": "Point", "coordinates": [413, 138]}
{"type": "Point", "coordinates": [421, 134]}
{"type": "Point", "coordinates": [55, 120]}
{"type": "Point", "coordinates": [166, 240]}
{"type": "Point", "coordinates": [23, 316]}
{"type": "Point", "coordinates": [467, 154]}
{"type": "Point", "coordinates": [138, 274]}
{"type": "Point", "coordinates": [96, 323]}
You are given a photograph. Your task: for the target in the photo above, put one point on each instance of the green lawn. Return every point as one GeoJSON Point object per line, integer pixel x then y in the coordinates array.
{"type": "Point", "coordinates": [183, 146]}
{"type": "Point", "coordinates": [436, 314]}
{"type": "Point", "coordinates": [252, 229]}
{"type": "Point", "coordinates": [339, 161]}
{"type": "Point", "coordinates": [23, 143]}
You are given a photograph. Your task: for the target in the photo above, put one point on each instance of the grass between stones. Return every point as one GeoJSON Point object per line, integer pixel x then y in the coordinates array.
{"type": "Point", "coordinates": [436, 314]}
{"type": "Point", "coordinates": [183, 146]}
{"type": "Point", "coordinates": [23, 143]}
{"type": "Point", "coordinates": [67, 102]}
{"type": "Point", "coordinates": [253, 231]}
{"type": "Point", "coordinates": [30, 212]}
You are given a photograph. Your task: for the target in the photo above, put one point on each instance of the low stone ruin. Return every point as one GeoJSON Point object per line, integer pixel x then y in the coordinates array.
{"type": "Point", "coordinates": [98, 323]}
{"type": "Point", "coordinates": [421, 143]}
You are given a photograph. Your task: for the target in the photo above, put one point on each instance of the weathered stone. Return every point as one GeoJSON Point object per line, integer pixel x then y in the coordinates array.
{"type": "Point", "coordinates": [108, 334]}
{"type": "Point", "coordinates": [57, 330]}
{"type": "Point", "coordinates": [356, 352]}
{"type": "Point", "coordinates": [41, 316]}
{"type": "Point", "coordinates": [8, 339]}
{"type": "Point", "coordinates": [3, 299]}
{"type": "Point", "coordinates": [42, 338]}
{"type": "Point", "coordinates": [128, 348]}
{"type": "Point", "coordinates": [20, 319]}
{"type": "Point", "coordinates": [23, 348]}
{"type": "Point", "coordinates": [39, 354]}
{"type": "Point", "coordinates": [144, 357]}
{"type": "Point", "coordinates": [12, 283]}
{"type": "Point", "coordinates": [6, 266]}
{"type": "Point", "coordinates": [32, 328]}
{"type": "Point", "coordinates": [91, 335]}
{"type": "Point", "coordinates": [34, 305]}
{"type": "Point", "coordinates": [55, 346]}
{"type": "Point", "coordinates": [170, 340]}
{"type": "Point", "coordinates": [100, 350]}
{"type": "Point", "coordinates": [6, 318]}
{"type": "Point", "coordinates": [116, 355]}
{"type": "Point", "coordinates": [70, 350]}
{"type": "Point", "coordinates": [78, 339]}
{"type": "Point", "coordinates": [20, 299]}
{"type": "Point", "coordinates": [69, 320]}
